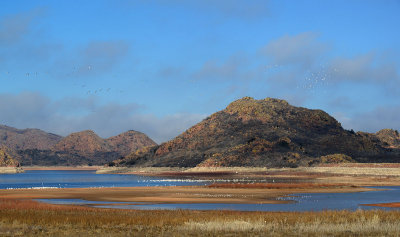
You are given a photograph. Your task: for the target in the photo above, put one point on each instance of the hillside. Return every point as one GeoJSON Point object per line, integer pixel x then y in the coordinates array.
{"type": "Point", "coordinates": [6, 159]}
{"type": "Point", "coordinates": [22, 139]}
{"type": "Point", "coordinates": [36, 147]}
{"type": "Point", "coordinates": [390, 137]}
{"type": "Point", "coordinates": [84, 143]}
{"type": "Point", "coordinates": [268, 132]}
{"type": "Point", "coordinates": [130, 141]}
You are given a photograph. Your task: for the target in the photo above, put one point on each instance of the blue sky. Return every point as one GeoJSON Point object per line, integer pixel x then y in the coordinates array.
{"type": "Point", "coordinates": [160, 66]}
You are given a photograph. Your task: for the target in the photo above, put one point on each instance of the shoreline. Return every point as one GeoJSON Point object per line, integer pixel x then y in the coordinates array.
{"type": "Point", "coordinates": [178, 194]}
{"type": "Point", "coordinates": [355, 169]}
{"type": "Point", "coordinates": [61, 167]}
{"type": "Point", "coordinates": [336, 179]}
{"type": "Point", "coordinates": [366, 175]}
{"type": "Point", "coordinates": [10, 170]}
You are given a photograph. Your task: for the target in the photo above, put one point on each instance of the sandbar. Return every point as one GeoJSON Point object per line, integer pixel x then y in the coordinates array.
{"type": "Point", "coordinates": [174, 194]}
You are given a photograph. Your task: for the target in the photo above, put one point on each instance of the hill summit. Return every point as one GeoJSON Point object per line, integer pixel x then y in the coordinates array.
{"type": "Point", "coordinates": [83, 142]}
{"type": "Point", "coordinates": [268, 132]}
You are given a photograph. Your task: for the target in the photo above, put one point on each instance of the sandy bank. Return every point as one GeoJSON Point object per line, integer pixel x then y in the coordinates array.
{"type": "Point", "coordinates": [10, 170]}
{"type": "Point", "coordinates": [187, 194]}
{"type": "Point", "coordinates": [356, 169]}
{"type": "Point", "coordinates": [362, 175]}
{"type": "Point", "coordinates": [61, 167]}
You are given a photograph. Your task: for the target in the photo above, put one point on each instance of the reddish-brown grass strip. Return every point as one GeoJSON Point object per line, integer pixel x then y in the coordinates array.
{"type": "Point", "coordinates": [391, 204]}
{"type": "Point", "coordinates": [363, 165]}
{"type": "Point", "coordinates": [278, 185]}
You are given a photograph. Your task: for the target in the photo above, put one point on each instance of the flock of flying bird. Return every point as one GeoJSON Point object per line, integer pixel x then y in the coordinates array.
{"type": "Point", "coordinates": [88, 92]}
{"type": "Point", "coordinates": [311, 79]}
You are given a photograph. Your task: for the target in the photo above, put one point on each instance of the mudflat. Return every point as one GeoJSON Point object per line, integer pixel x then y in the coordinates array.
{"type": "Point", "coordinates": [187, 194]}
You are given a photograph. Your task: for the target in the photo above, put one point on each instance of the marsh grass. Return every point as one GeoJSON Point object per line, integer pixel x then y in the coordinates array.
{"type": "Point", "coordinates": [30, 218]}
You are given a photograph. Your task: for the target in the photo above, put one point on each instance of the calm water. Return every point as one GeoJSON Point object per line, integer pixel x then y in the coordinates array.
{"type": "Point", "coordinates": [84, 179]}
{"type": "Point", "coordinates": [301, 202]}
{"type": "Point", "coordinates": [87, 179]}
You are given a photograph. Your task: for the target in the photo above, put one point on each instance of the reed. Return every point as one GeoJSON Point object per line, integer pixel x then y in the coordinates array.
{"type": "Point", "coordinates": [30, 218]}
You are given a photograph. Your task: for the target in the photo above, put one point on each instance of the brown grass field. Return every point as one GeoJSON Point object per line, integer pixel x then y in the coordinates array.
{"type": "Point", "coordinates": [30, 218]}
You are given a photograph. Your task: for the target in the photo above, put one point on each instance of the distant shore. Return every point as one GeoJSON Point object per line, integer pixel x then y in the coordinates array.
{"type": "Point", "coordinates": [10, 170]}
{"type": "Point", "coordinates": [61, 167]}
{"type": "Point", "coordinates": [362, 173]}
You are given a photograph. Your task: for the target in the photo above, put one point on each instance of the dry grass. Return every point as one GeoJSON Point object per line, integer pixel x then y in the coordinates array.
{"type": "Point", "coordinates": [29, 218]}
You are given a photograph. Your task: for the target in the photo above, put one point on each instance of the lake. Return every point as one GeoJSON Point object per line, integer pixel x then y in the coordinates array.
{"type": "Point", "coordinates": [86, 179]}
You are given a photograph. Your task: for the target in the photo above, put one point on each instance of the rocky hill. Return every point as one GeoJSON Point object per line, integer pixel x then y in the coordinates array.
{"type": "Point", "coordinates": [84, 143]}
{"type": "Point", "coordinates": [130, 141]}
{"type": "Point", "coordinates": [6, 159]}
{"type": "Point", "coordinates": [268, 132]}
{"type": "Point", "coordinates": [22, 139]}
{"type": "Point", "coordinates": [390, 138]}
{"type": "Point", "coordinates": [36, 147]}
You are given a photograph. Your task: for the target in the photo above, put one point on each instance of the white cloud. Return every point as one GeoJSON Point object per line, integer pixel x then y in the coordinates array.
{"type": "Point", "coordinates": [14, 28]}
{"type": "Point", "coordinates": [303, 49]}
{"type": "Point", "coordinates": [366, 67]}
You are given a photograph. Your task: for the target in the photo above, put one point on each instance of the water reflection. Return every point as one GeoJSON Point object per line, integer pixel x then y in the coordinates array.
{"type": "Point", "coordinates": [301, 202]}
{"type": "Point", "coordinates": [36, 179]}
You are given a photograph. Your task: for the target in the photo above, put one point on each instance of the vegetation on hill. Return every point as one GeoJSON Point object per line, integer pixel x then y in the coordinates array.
{"type": "Point", "coordinates": [268, 132]}
{"type": "Point", "coordinates": [6, 160]}
{"type": "Point", "coordinates": [22, 139]}
{"type": "Point", "coordinates": [36, 147]}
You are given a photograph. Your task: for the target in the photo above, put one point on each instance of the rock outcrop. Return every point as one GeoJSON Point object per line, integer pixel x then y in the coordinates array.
{"type": "Point", "coordinates": [390, 138]}
{"type": "Point", "coordinates": [268, 132]}
{"type": "Point", "coordinates": [6, 159]}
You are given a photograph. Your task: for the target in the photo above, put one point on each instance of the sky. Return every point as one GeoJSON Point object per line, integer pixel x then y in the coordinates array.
{"type": "Point", "coordinates": [161, 66]}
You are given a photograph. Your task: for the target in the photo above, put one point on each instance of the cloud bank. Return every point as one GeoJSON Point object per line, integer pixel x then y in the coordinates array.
{"type": "Point", "coordinates": [33, 110]}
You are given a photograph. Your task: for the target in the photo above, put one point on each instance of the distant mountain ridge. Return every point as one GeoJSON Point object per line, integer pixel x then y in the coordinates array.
{"type": "Point", "coordinates": [83, 142]}
{"type": "Point", "coordinates": [88, 143]}
{"type": "Point", "coordinates": [268, 132]}
{"type": "Point", "coordinates": [36, 147]}
{"type": "Point", "coordinates": [22, 139]}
